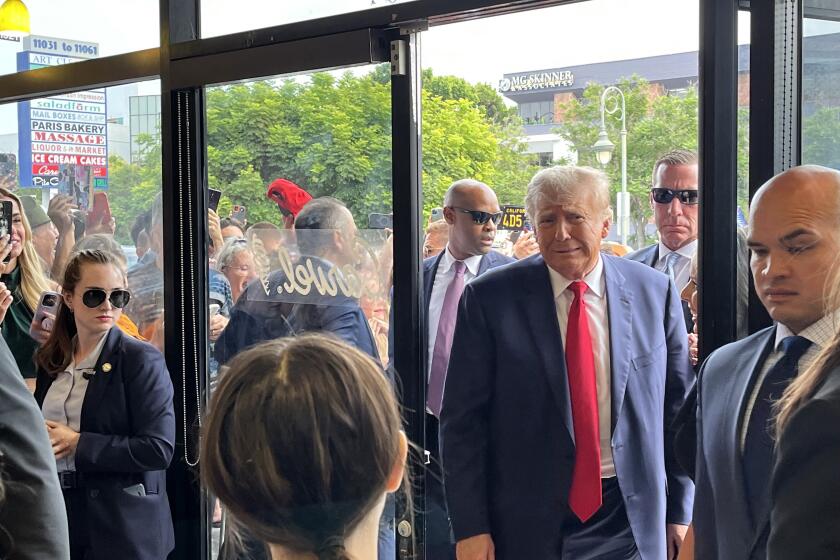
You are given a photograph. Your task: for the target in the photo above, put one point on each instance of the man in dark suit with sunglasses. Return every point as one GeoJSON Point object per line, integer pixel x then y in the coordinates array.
{"type": "Point", "coordinates": [471, 211]}
{"type": "Point", "coordinates": [674, 199]}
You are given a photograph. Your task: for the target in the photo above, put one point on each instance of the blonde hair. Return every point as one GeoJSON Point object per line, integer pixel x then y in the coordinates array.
{"type": "Point", "coordinates": [806, 384]}
{"type": "Point", "coordinates": [562, 183]}
{"type": "Point", "coordinates": [33, 281]}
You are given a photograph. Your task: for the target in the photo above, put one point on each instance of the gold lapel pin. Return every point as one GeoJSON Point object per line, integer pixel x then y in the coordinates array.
{"type": "Point", "coordinates": [106, 367]}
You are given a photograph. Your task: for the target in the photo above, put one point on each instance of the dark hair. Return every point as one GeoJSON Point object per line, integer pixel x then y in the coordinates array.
{"type": "Point", "coordinates": [230, 222]}
{"type": "Point", "coordinates": [324, 213]}
{"type": "Point", "coordinates": [302, 436]}
{"type": "Point", "coordinates": [141, 223]}
{"type": "Point", "coordinates": [56, 353]}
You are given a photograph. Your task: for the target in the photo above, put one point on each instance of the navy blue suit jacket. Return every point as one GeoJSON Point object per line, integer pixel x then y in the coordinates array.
{"type": "Point", "coordinates": [127, 438]}
{"type": "Point", "coordinates": [649, 255]}
{"type": "Point", "coordinates": [724, 525]}
{"type": "Point", "coordinates": [261, 315]}
{"type": "Point", "coordinates": [506, 426]}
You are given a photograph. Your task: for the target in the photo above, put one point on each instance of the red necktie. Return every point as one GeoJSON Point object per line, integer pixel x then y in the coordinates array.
{"type": "Point", "coordinates": [585, 495]}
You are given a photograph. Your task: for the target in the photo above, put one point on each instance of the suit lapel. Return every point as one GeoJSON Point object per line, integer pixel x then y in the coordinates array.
{"type": "Point", "coordinates": [485, 263]}
{"type": "Point", "coordinates": [619, 301]}
{"type": "Point", "coordinates": [106, 368]}
{"type": "Point", "coordinates": [738, 394]}
{"type": "Point", "coordinates": [651, 256]}
{"type": "Point", "coordinates": [541, 317]}
{"type": "Point", "coordinates": [429, 281]}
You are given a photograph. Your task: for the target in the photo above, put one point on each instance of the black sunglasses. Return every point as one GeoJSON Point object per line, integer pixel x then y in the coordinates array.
{"type": "Point", "coordinates": [95, 297]}
{"type": "Point", "coordinates": [665, 196]}
{"type": "Point", "coordinates": [479, 217]}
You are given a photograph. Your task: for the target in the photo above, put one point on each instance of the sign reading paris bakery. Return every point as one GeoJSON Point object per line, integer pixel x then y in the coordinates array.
{"type": "Point", "coordinates": [531, 81]}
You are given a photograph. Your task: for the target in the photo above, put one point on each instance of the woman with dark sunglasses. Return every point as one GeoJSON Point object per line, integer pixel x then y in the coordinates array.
{"type": "Point", "coordinates": [107, 402]}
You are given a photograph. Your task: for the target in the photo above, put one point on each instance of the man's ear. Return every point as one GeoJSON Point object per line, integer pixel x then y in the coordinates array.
{"type": "Point", "coordinates": [605, 229]}
{"type": "Point", "coordinates": [449, 215]}
{"type": "Point", "coordinates": [398, 469]}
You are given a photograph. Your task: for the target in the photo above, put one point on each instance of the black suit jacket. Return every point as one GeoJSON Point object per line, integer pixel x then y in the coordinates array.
{"type": "Point", "coordinates": [33, 514]}
{"type": "Point", "coordinates": [806, 483]}
{"type": "Point", "coordinates": [127, 438]}
{"type": "Point", "coordinates": [649, 255]}
{"type": "Point", "coordinates": [724, 525]}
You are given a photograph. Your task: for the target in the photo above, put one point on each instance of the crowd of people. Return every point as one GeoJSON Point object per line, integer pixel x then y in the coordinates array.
{"type": "Point", "coordinates": [569, 414]}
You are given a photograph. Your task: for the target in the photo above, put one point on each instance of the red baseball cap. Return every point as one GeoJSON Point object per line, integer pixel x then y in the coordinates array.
{"type": "Point", "coordinates": [289, 197]}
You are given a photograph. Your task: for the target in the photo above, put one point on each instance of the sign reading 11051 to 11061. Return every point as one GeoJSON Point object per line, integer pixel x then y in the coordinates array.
{"type": "Point", "coordinates": [63, 140]}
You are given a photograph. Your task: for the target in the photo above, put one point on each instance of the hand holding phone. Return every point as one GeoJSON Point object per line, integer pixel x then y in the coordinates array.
{"type": "Point", "coordinates": [213, 197]}
{"type": "Point", "coordinates": [239, 213]}
{"type": "Point", "coordinates": [100, 215]}
{"type": "Point", "coordinates": [6, 227]}
{"type": "Point", "coordinates": [44, 317]}
{"type": "Point", "coordinates": [5, 300]}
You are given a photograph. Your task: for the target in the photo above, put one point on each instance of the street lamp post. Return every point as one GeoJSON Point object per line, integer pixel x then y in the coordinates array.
{"type": "Point", "coordinates": [603, 149]}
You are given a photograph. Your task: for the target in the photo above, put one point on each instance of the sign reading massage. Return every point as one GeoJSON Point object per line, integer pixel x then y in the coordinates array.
{"type": "Point", "coordinates": [531, 81]}
{"type": "Point", "coordinates": [63, 139]}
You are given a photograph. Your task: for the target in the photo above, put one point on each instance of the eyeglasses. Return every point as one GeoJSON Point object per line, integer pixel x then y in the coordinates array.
{"type": "Point", "coordinates": [665, 196]}
{"type": "Point", "coordinates": [481, 218]}
{"type": "Point", "coordinates": [241, 268]}
{"type": "Point", "coordinates": [95, 297]}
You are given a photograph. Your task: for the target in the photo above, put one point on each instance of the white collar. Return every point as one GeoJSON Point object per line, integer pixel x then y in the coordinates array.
{"type": "Point", "coordinates": [686, 250]}
{"type": "Point", "coordinates": [819, 333]}
{"type": "Point", "coordinates": [594, 280]}
{"type": "Point", "coordinates": [448, 260]}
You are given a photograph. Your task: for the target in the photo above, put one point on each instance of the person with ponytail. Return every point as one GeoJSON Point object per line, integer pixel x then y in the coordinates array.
{"type": "Point", "coordinates": [107, 402]}
{"type": "Point", "coordinates": [805, 513]}
{"type": "Point", "coordinates": [22, 281]}
{"type": "Point", "coordinates": [301, 446]}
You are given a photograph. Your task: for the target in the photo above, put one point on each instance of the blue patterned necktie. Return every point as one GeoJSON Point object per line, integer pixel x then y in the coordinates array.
{"type": "Point", "coordinates": [671, 262]}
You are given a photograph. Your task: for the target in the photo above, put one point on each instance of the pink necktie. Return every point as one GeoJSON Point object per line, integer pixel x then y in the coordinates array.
{"type": "Point", "coordinates": [443, 341]}
{"type": "Point", "coordinates": [585, 495]}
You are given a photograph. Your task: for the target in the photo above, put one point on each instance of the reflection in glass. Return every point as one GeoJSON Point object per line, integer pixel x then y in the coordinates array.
{"type": "Point", "coordinates": [821, 92]}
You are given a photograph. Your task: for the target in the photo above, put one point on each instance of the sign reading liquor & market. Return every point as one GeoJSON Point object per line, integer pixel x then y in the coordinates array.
{"type": "Point", "coordinates": [63, 139]}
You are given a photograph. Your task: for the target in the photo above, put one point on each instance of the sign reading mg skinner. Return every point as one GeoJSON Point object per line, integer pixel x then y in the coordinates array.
{"type": "Point", "coordinates": [537, 80]}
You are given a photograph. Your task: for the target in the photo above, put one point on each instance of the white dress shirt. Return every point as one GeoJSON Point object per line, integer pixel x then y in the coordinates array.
{"type": "Point", "coordinates": [819, 333]}
{"type": "Point", "coordinates": [63, 401]}
{"type": "Point", "coordinates": [595, 299]}
{"type": "Point", "coordinates": [444, 276]}
{"type": "Point", "coordinates": [682, 270]}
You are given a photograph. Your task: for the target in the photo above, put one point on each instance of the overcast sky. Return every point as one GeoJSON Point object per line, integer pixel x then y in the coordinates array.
{"type": "Point", "coordinates": [481, 50]}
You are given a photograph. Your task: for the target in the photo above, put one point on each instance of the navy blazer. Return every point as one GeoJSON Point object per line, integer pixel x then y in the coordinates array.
{"type": "Point", "coordinates": [724, 525]}
{"type": "Point", "coordinates": [649, 255]}
{"type": "Point", "coordinates": [506, 426]}
{"type": "Point", "coordinates": [806, 488]}
{"type": "Point", "coordinates": [262, 313]}
{"type": "Point", "coordinates": [127, 438]}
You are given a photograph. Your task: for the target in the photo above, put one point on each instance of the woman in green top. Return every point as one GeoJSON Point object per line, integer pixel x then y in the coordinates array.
{"type": "Point", "coordinates": [22, 280]}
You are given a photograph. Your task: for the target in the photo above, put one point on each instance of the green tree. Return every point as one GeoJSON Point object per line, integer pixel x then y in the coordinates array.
{"type": "Point", "coordinates": [332, 136]}
{"type": "Point", "coordinates": [821, 137]}
{"type": "Point", "coordinates": [133, 186]}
